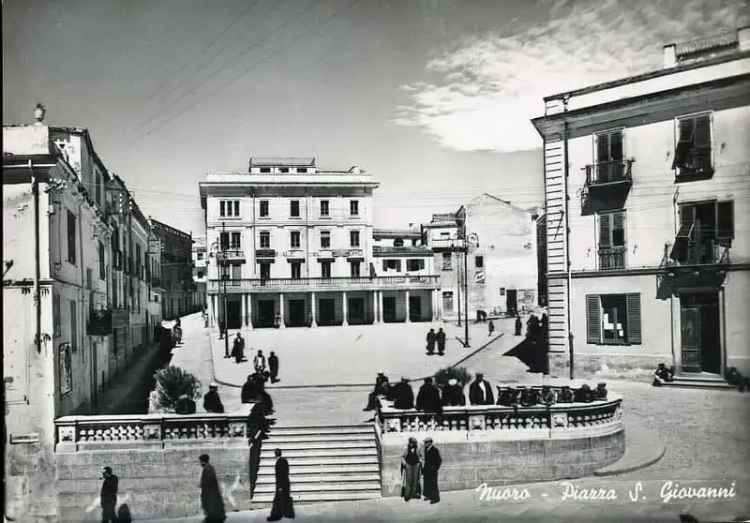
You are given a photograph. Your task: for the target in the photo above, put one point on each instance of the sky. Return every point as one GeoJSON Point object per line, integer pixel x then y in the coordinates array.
{"type": "Point", "coordinates": [432, 97]}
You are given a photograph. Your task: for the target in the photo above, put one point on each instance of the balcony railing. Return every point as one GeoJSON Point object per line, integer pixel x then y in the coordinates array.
{"type": "Point", "coordinates": [709, 251]}
{"type": "Point", "coordinates": [695, 163]}
{"type": "Point", "coordinates": [617, 171]}
{"type": "Point", "coordinates": [447, 244]}
{"type": "Point", "coordinates": [324, 284]}
{"type": "Point", "coordinates": [612, 258]}
{"type": "Point", "coordinates": [230, 254]}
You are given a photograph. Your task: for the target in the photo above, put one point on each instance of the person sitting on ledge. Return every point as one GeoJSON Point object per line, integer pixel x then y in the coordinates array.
{"type": "Point", "coordinates": [453, 394]}
{"type": "Point", "coordinates": [382, 388]}
{"type": "Point", "coordinates": [248, 389]}
{"type": "Point", "coordinates": [403, 396]}
{"type": "Point", "coordinates": [548, 395]}
{"type": "Point", "coordinates": [184, 405]}
{"type": "Point", "coordinates": [601, 391]}
{"type": "Point", "coordinates": [211, 401]}
{"type": "Point", "coordinates": [584, 394]}
{"type": "Point", "coordinates": [566, 395]}
{"type": "Point", "coordinates": [662, 375]}
{"type": "Point", "coordinates": [428, 397]}
{"type": "Point", "coordinates": [529, 397]}
{"type": "Point", "coordinates": [480, 391]}
{"type": "Point", "coordinates": [505, 396]}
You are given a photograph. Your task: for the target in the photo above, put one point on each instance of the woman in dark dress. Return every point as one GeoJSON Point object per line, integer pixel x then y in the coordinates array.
{"type": "Point", "coordinates": [411, 469]}
{"type": "Point", "coordinates": [211, 500]}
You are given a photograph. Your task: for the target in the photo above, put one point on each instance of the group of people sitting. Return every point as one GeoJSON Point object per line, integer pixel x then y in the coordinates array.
{"type": "Point", "coordinates": [254, 391]}
{"type": "Point", "coordinates": [432, 398]}
{"type": "Point", "coordinates": [664, 374]}
{"type": "Point", "coordinates": [211, 402]}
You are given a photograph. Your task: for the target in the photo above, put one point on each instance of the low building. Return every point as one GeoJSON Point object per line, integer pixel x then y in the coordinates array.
{"type": "Point", "coordinates": [177, 283]}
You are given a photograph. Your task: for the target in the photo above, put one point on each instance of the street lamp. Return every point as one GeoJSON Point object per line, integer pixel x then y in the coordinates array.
{"type": "Point", "coordinates": [224, 278]}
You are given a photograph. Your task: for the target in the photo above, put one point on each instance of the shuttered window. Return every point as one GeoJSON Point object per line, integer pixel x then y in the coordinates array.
{"type": "Point", "coordinates": [693, 149]}
{"type": "Point", "coordinates": [725, 220]}
{"type": "Point", "coordinates": [71, 238]}
{"type": "Point", "coordinates": [613, 319]}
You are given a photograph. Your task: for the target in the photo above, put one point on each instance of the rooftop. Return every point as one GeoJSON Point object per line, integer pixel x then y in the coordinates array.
{"type": "Point", "coordinates": [283, 161]}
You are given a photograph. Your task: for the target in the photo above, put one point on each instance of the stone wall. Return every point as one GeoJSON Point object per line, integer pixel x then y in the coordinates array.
{"type": "Point", "coordinates": [468, 463]}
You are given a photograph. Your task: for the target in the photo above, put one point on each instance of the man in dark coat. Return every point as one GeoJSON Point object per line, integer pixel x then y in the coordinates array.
{"type": "Point", "coordinates": [184, 405]}
{"type": "Point", "coordinates": [431, 342]}
{"type": "Point", "coordinates": [109, 495]}
{"type": "Point", "coordinates": [212, 401]}
{"type": "Point", "coordinates": [519, 325]}
{"type": "Point", "coordinates": [428, 398]}
{"type": "Point", "coordinates": [453, 394]}
{"type": "Point", "coordinates": [432, 462]}
{"type": "Point", "coordinates": [249, 389]}
{"type": "Point", "coordinates": [238, 348]}
{"type": "Point", "coordinates": [211, 501]}
{"type": "Point", "coordinates": [382, 388]}
{"type": "Point", "coordinates": [440, 338]}
{"type": "Point", "coordinates": [480, 391]}
{"type": "Point", "coordinates": [403, 396]}
{"type": "Point", "coordinates": [282, 500]}
{"type": "Point", "coordinates": [273, 366]}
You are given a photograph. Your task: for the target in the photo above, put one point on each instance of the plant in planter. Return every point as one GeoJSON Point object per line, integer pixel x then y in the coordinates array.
{"type": "Point", "coordinates": [459, 373]}
{"type": "Point", "coordinates": [171, 383]}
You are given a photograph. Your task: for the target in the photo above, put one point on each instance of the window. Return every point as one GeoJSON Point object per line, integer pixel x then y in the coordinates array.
{"type": "Point", "coordinates": [56, 323]}
{"type": "Point", "coordinates": [609, 157]}
{"type": "Point", "coordinates": [354, 269]}
{"type": "Point", "coordinates": [354, 207]}
{"type": "Point", "coordinates": [704, 227]}
{"type": "Point", "coordinates": [89, 278]}
{"type": "Point", "coordinates": [296, 270]}
{"type": "Point", "coordinates": [447, 261]}
{"type": "Point", "coordinates": [265, 240]}
{"type": "Point", "coordinates": [229, 208]}
{"type": "Point", "coordinates": [200, 274]}
{"type": "Point", "coordinates": [447, 301]}
{"type": "Point", "coordinates": [138, 266]}
{"type": "Point", "coordinates": [325, 269]}
{"type": "Point", "coordinates": [325, 239]}
{"type": "Point", "coordinates": [613, 319]}
{"type": "Point", "coordinates": [224, 241]}
{"type": "Point", "coordinates": [324, 208]}
{"type": "Point", "coordinates": [98, 187]}
{"type": "Point", "coordinates": [265, 169]}
{"type": "Point", "coordinates": [479, 262]}
{"type": "Point", "coordinates": [236, 237]}
{"type": "Point", "coordinates": [612, 240]}
{"type": "Point", "coordinates": [71, 238]}
{"type": "Point", "coordinates": [302, 170]}
{"type": "Point", "coordinates": [264, 208]}
{"type": "Point", "coordinates": [102, 267]}
{"type": "Point", "coordinates": [294, 208]}
{"type": "Point", "coordinates": [65, 368]}
{"type": "Point", "coordinates": [236, 274]}
{"type": "Point", "coordinates": [391, 265]}
{"type": "Point", "coordinates": [294, 239]}
{"type": "Point", "coordinates": [398, 242]}
{"type": "Point", "coordinates": [692, 154]}
{"type": "Point", "coordinates": [415, 265]}
{"type": "Point", "coordinates": [73, 326]}
{"type": "Point", "coordinates": [200, 255]}
{"type": "Point", "coordinates": [284, 170]}
{"type": "Point", "coordinates": [354, 238]}
{"type": "Point", "coordinates": [265, 271]}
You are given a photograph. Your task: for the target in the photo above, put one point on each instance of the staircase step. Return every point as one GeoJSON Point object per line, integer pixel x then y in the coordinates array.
{"type": "Point", "coordinates": [698, 383]}
{"type": "Point", "coordinates": [328, 460]}
{"type": "Point", "coordinates": [270, 445]}
{"type": "Point", "coordinates": [321, 452]}
{"type": "Point", "coordinates": [267, 498]}
{"type": "Point", "coordinates": [332, 429]}
{"type": "Point", "coordinates": [297, 479]}
{"type": "Point", "coordinates": [314, 468]}
{"type": "Point", "coordinates": [292, 438]}
{"type": "Point", "coordinates": [322, 487]}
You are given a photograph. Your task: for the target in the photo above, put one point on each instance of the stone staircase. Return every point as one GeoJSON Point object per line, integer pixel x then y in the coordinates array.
{"type": "Point", "coordinates": [702, 380]}
{"type": "Point", "coordinates": [333, 463]}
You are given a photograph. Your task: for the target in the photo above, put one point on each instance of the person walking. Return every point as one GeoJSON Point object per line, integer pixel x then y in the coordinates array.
{"type": "Point", "coordinates": [480, 391]}
{"type": "Point", "coordinates": [490, 328]}
{"type": "Point", "coordinates": [431, 342]}
{"type": "Point", "coordinates": [440, 338]}
{"type": "Point", "coordinates": [411, 468]}
{"type": "Point", "coordinates": [273, 366]}
{"type": "Point", "coordinates": [212, 401]}
{"type": "Point", "coordinates": [519, 326]}
{"type": "Point", "coordinates": [108, 496]}
{"type": "Point", "coordinates": [177, 331]}
{"type": "Point", "coordinates": [432, 462]}
{"type": "Point", "coordinates": [238, 349]}
{"type": "Point", "coordinates": [211, 501]}
{"type": "Point", "coordinates": [259, 362]}
{"type": "Point", "coordinates": [283, 506]}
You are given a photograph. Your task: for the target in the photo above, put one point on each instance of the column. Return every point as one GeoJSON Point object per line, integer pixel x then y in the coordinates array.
{"type": "Point", "coordinates": [212, 310]}
{"type": "Point", "coordinates": [345, 313]}
{"type": "Point", "coordinates": [243, 318]}
{"type": "Point", "coordinates": [406, 293]}
{"type": "Point", "coordinates": [314, 321]}
{"type": "Point", "coordinates": [281, 310]}
{"type": "Point", "coordinates": [439, 304]}
{"type": "Point", "coordinates": [433, 296]}
{"type": "Point", "coordinates": [374, 306]}
{"type": "Point", "coordinates": [250, 311]}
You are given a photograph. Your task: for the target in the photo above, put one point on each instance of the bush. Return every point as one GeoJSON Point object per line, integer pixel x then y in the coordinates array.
{"type": "Point", "coordinates": [460, 373]}
{"type": "Point", "coordinates": [173, 382]}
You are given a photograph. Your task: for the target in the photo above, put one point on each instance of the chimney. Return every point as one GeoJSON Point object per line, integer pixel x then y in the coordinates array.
{"type": "Point", "coordinates": [354, 169]}
{"type": "Point", "coordinates": [743, 38]}
{"type": "Point", "coordinates": [39, 112]}
{"type": "Point", "coordinates": [670, 58]}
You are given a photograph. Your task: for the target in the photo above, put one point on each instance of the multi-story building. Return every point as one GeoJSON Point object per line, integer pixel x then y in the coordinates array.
{"type": "Point", "coordinates": [296, 246]}
{"type": "Point", "coordinates": [176, 270]}
{"type": "Point", "coordinates": [200, 268]}
{"type": "Point", "coordinates": [646, 183]}
{"type": "Point", "coordinates": [500, 269]}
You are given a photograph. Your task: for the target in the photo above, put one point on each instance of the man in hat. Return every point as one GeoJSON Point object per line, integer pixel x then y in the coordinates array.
{"type": "Point", "coordinates": [440, 338]}
{"type": "Point", "coordinates": [428, 398]}
{"type": "Point", "coordinates": [453, 394]}
{"type": "Point", "coordinates": [211, 501]}
{"type": "Point", "coordinates": [109, 495]}
{"type": "Point", "coordinates": [273, 366]}
{"type": "Point", "coordinates": [480, 391]}
{"type": "Point", "coordinates": [259, 362]}
{"type": "Point", "coordinates": [432, 462]}
{"type": "Point", "coordinates": [238, 348]}
{"type": "Point", "coordinates": [212, 401]}
{"type": "Point", "coordinates": [403, 396]}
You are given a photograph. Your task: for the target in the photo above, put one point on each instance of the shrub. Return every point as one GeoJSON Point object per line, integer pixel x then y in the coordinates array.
{"type": "Point", "coordinates": [460, 373]}
{"type": "Point", "coordinates": [173, 382]}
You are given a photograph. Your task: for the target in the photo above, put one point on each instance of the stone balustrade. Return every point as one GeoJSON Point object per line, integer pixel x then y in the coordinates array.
{"type": "Point", "coordinates": [75, 433]}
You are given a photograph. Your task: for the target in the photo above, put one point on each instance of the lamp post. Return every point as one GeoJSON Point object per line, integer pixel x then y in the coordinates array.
{"type": "Point", "coordinates": [224, 278]}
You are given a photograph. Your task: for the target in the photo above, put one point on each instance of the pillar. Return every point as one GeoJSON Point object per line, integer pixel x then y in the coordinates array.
{"type": "Point", "coordinates": [406, 293]}
{"type": "Point", "coordinates": [374, 306]}
{"type": "Point", "coordinates": [281, 310]}
{"type": "Point", "coordinates": [345, 312]}
{"type": "Point", "coordinates": [381, 318]}
{"type": "Point", "coordinates": [243, 318]}
{"type": "Point", "coordinates": [439, 307]}
{"type": "Point", "coordinates": [211, 310]}
{"type": "Point", "coordinates": [249, 311]}
{"type": "Point", "coordinates": [433, 302]}
{"type": "Point", "coordinates": [314, 321]}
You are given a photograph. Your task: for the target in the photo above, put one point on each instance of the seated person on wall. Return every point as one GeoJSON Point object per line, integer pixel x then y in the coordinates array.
{"type": "Point", "coordinates": [566, 395]}
{"type": "Point", "coordinates": [212, 401]}
{"type": "Point", "coordinates": [249, 389]}
{"type": "Point", "coordinates": [662, 375]}
{"type": "Point", "coordinates": [453, 394]}
{"type": "Point", "coordinates": [184, 405]}
{"type": "Point", "coordinates": [529, 397]}
{"type": "Point", "coordinates": [601, 391]}
{"type": "Point", "coordinates": [738, 380]}
{"type": "Point", "coordinates": [506, 396]}
{"type": "Point", "coordinates": [428, 397]}
{"type": "Point", "coordinates": [480, 391]}
{"type": "Point", "coordinates": [382, 388]}
{"type": "Point", "coordinates": [403, 395]}
{"type": "Point", "coordinates": [548, 395]}
{"type": "Point", "coordinates": [584, 394]}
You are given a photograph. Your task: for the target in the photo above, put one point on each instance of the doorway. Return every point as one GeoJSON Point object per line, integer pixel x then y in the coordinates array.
{"type": "Point", "coordinates": [389, 309]}
{"type": "Point", "coordinates": [415, 308]}
{"type": "Point", "coordinates": [326, 311]}
{"type": "Point", "coordinates": [699, 326]}
{"type": "Point", "coordinates": [234, 319]}
{"type": "Point", "coordinates": [296, 314]}
{"type": "Point", "coordinates": [266, 313]}
{"type": "Point", "coordinates": [511, 302]}
{"type": "Point", "coordinates": [356, 310]}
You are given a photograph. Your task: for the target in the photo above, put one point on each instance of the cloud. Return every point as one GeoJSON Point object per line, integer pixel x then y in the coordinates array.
{"type": "Point", "coordinates": [485, 90]}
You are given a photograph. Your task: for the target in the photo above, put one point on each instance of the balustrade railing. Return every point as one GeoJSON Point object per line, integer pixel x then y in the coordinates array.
{"type": "Point", "coordinates": [613, 258]}
{"type": "Point", "coordinates": [608, 172]}
{"type": "Point", "coordinates": [81, 432]}
{"type": "Point", "coordinates": [378, 282]}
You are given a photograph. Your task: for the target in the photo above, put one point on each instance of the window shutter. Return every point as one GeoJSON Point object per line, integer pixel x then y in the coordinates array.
{"type": "Point", "coordinates": [702, 133]}
{"type": "Point", "coordinates": [633, 306]}
{"type": "Point", "coordinates": [615, 147]}
{"type": "Point", "coordinates": [725, 219]}
{"type": "Point", "coordinates": [593, 319]}
{"type": "Point", "coordinates": [236, 207]}
{"type": "Point", "coordinates": [602, 148]}
{"type": "Point", "coordinates": [222, 210]}
{"type": "Point", "coordinates": [604, 230]}
{"type": "Point", "coordinates": [618, 229]}
{"type": "Point", "coordinates": [684, 142]}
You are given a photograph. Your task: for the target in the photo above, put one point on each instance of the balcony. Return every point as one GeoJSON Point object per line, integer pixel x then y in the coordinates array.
{"type": "Point", "coordinates": [689, 263]}
{"type": "Point", "coordinates": [406, 250]}
{"type": "Point", "coordinates": [607, 185]}
{"type": "Point", "coordinates": [273, 285]}
{"type": "Point", "coordinates": [447, 244]}
{"type": "Point", "coordinates": [100, 323]}
{"type": "Point", "coordinates": [265, 253]}
{"type": "Point", "coordinates": [230, 256]}
{"type": "Point", "coordinates": [612, 258]}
